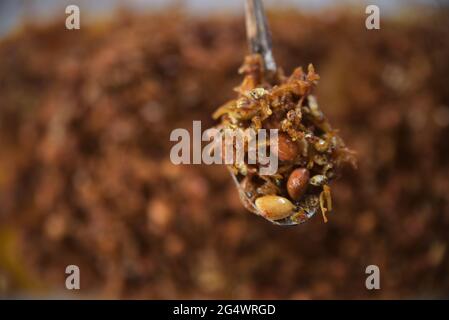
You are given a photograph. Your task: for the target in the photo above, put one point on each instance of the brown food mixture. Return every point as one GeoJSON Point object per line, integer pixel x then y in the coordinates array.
{"type": "Point", "coordinates": [86, 179]}
{"type": "Point", "coordinates": [310, 152]}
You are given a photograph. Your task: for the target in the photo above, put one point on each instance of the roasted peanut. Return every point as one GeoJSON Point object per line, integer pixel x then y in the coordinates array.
{"type": "Point", "coordinates": [274, 207]}
{"type": "Point", "coordinates": [287, 150]}
{"type": "Point", "coordinates": [297, 183]}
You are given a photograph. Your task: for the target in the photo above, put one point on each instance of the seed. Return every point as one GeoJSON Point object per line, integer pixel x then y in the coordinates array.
{"type": "Point", "coordinates": [287, 150]}
{"type": "Point", "coordinates": [257, 93]}
{"type": "Point", "coordinates": [327, 171]}
{"type": "Point", "coordinates": [318, 180]}
{"type": "Point", "coordinates": [321, 145]}
{"type": "Point", "coordinates": [320, 159]}
{"type": "Point", "coordinates": [274, 207]}
{"type": "Point", "coordinates": [312, 201]}
{"type": "Point", "coordinates": [297, 183]}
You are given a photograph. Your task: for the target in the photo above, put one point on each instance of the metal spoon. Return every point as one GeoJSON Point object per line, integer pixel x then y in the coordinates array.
{"type": "Point", "coordinates": [258, 33]}
{"type": "Point", "coordinates": [259, 41]}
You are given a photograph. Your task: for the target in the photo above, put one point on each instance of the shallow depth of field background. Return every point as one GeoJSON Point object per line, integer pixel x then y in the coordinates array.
{"type": "Point", "coordinates": [86, 179]}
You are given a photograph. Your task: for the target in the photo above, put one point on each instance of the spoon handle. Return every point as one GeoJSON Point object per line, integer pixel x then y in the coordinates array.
{"type": "Point", "coordinates": [258, 32]}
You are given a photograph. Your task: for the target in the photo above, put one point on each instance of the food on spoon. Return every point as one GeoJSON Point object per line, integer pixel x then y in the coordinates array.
{"type": "Point", "coordinates": [310, 152]}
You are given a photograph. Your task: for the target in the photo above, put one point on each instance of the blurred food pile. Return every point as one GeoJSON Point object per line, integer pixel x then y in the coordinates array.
{"type": "Point", "coordinates": [86, 179]}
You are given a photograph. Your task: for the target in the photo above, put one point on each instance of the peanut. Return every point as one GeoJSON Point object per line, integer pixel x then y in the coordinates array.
{"type": "Point", "coordinates": [274, 207]}
{"type": "Point", "coordinates": [287, 150]}
{"type": "Point", "coordinates": [297, 183]}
